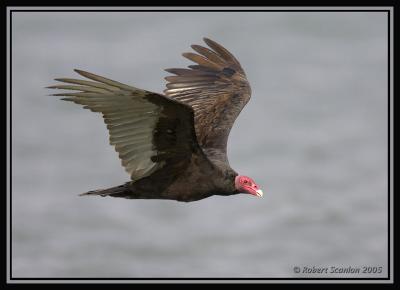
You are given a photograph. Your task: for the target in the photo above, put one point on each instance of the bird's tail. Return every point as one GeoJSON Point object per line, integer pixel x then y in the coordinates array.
{"type": "Point", "coordinates": [116, 191]}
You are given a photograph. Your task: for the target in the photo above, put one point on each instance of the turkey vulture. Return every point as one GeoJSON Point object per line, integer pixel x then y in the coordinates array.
{"type": "Point", "coordinates": [174, 145]}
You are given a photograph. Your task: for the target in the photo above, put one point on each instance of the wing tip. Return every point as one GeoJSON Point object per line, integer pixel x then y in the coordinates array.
{"type": "Point", "coordinates": [87, 74]}
{"type": "Point", "coordinates": [63, 80]}
{"type": "Point", "coordinates": [82, 73]}
{"type": "Point", "coordinates": [196, 46]}
{"type": "Point", "coordinates": [209, 41]}
{"type": "Point", "coordinates": [57, 87]}
{"type": "Point", "coordinates": [188, 54]}
{"type": "Point", "coordinates": [171, 70]}
{"type": "Point", "coordinates": [67, 99]}
{"type": "Point", "coordinates": [79, 71]}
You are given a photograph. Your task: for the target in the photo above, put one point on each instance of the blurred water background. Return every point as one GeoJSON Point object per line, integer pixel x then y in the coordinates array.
{"type": "Point", "coordinates": [314, 136]}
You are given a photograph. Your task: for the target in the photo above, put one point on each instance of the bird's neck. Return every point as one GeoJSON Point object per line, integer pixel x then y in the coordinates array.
{"type": "Point", "coordinates": [226, 182]}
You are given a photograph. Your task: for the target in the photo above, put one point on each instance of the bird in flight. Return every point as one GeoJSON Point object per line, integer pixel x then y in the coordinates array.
{"type": "Point", "coordinates": [173, 145]}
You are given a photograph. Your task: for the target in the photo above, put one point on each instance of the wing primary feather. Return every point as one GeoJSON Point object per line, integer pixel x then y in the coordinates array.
{"type": "Point", "coordinates": [201, 60]}
{"type": "Point", "coordinates": [223, 52]}
{"type": "Point", "coordinates": [208, 53]}
{"type": "Point", "coordinates": [106, 81]}
{"type": "Point", "coordinates": [182, 79]}
{"type": "Point", "coordinates": [79, 88]}
{"type": "Point", "coordinates": [67, 99]}
{"type": "Point", "coordinates": [87, 83]}
{"type": "Point", "coordinates": [189, 72]}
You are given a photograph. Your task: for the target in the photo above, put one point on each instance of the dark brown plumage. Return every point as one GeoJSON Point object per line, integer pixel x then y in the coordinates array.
{"type": "Point", "coordinates": [173, 146]}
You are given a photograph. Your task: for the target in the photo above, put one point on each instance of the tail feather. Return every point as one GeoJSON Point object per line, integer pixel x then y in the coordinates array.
{"type": "Point", "coordinates": [117, 191]}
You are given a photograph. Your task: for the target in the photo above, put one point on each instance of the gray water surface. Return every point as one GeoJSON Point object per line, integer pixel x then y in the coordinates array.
{"type": "Point", "coordinates": [313, 136]}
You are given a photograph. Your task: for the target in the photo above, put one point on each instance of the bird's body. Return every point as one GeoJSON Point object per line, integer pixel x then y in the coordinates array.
{"type": "Point", "coordinates": [207, 184]}
{"type": "Point", "coordinates": [174, 145]}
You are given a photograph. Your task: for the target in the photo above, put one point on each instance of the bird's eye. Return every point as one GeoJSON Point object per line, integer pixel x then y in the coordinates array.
{"type": "Point", "coordinates": [245, 181]}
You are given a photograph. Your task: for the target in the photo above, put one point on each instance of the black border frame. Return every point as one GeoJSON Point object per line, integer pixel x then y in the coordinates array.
{"type": "Point", "coordinates": [389, 13]}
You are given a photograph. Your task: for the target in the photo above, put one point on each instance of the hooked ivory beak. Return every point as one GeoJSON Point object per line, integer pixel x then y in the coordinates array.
{"type": "Point", "coordinates": [259, 193]}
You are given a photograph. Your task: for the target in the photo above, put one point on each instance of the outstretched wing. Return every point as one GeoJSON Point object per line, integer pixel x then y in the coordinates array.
{"type": "Point", "coordinates": [148, 130]}
{"type": "Point", "coordinates": [217, 90]}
